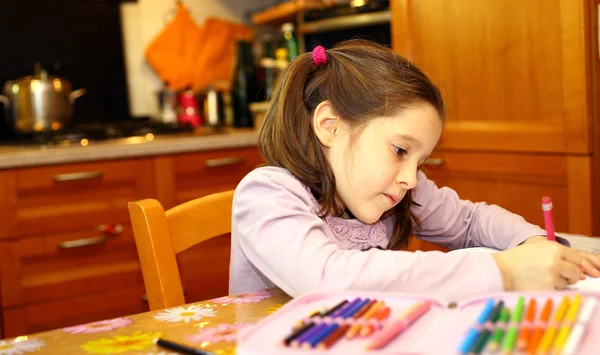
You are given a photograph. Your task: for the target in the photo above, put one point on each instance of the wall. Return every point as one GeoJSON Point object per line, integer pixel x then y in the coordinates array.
{"type": "Point", "coordinates": [144, 19]}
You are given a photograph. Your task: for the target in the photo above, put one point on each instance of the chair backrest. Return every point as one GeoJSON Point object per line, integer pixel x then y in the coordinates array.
{"type": "Point", "coordinates": [160, 236]}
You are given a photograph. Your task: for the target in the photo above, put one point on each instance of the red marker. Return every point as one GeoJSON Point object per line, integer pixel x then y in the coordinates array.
{"type": "Point", "coordinates": [548, 220]}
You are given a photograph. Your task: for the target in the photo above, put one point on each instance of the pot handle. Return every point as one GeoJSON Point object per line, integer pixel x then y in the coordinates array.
{"type": "Point", "coordinates": [76, 94]}
{"type": "Point", "coordinates": [5, 101]}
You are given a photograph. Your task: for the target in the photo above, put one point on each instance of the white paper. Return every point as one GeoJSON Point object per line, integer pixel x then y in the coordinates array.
{"type": "Point", "coordinates": [589, 284]}
{"type": "Point", "coordinates": [582, 243]}
{"type": "Point", "coordinates": [587, 244]}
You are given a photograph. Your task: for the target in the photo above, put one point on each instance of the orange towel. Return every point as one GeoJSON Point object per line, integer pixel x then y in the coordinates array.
{"type": "Point", "coordinates": [218, 55]}
{"type": "Point", "coordinates": [185, 54]}
{"type": "Point", "coordinates": [177, 45]}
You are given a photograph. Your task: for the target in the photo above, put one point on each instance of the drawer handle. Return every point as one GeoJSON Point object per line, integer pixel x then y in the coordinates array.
{"type": "Point", "coordinates": [434, 162]}
{"type": "Point", "coordinates": [212, 163]}
{"type": "Point", "coordinates": [145, 295]}
{"type": "Point", "coordinates": [85, 175]}
{"type": "Point", "coordinates": [78, 243]}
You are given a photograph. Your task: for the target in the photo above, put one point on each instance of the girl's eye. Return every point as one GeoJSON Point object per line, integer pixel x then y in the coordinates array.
{"type": "Point", "coordinates": [399, 151]}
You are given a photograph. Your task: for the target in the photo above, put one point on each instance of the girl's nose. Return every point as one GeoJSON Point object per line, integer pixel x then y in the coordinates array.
{"type": "Point", "coordinates": [407, 177]}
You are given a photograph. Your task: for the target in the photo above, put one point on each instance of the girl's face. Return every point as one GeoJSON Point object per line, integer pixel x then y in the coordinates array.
{"type": "Point", "coordinates": [374, 171]}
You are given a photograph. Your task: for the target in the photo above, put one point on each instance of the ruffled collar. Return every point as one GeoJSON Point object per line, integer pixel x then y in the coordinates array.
{"type": "Point", "coordinates": [352, 233]}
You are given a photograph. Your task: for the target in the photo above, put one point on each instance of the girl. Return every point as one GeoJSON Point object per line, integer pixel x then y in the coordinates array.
{"type": "Point", "coordinates": [342, 192]}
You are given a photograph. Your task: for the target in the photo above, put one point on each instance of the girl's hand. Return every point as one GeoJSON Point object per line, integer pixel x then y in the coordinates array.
{"type": "Point", "coordinates": [591, 262]}
{"type": "Point", "coordinates": [543, 265]}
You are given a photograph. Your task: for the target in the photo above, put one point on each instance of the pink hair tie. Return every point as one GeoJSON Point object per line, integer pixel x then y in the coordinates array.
{"type": "Point", "coordinates": [318, 55]}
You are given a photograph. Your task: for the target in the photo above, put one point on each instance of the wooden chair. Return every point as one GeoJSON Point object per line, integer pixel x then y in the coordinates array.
{"type": "Point", "coordinates": [160, 236]}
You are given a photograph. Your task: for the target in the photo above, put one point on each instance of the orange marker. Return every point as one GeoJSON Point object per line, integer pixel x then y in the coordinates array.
{"type": "Point", "coordinates": [526, 326]}
{"type": "Point", "coordinates": [381, 315]}
{"type": "Point", "coordinates": [353, 331]}
{"type": "Point", "coordinates": [539, 330]}
{"type": "Point", "coordinates": [552, 328]}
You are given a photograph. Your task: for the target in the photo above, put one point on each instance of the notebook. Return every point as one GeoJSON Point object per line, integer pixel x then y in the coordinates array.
{"type": "Point", "coordinates": [439, 331]}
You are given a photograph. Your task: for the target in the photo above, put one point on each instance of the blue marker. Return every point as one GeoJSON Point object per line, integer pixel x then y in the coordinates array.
{"type": "Point", "coordinates": [467, 344]}
{"type": "Point", "coordinates": [349, 312]}
{"type": "Point", "coordinates": [317, 329]}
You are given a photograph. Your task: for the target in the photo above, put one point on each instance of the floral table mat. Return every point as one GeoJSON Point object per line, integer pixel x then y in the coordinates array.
{"type": "Point", "coordinates": [210, 325]}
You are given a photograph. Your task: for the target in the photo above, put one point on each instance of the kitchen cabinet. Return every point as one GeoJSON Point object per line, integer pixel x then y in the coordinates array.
{"type": "Point", "coordinates": [67, 253]}
{"type": "Point", "coordinates": [520, 95]}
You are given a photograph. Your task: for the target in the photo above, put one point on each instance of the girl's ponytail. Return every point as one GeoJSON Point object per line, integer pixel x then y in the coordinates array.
{"type": "Point", "coordinates": [287, 127]}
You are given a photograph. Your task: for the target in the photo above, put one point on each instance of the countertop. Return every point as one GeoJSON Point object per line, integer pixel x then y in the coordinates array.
{"type": "Point", "coordinates": [14, 156]}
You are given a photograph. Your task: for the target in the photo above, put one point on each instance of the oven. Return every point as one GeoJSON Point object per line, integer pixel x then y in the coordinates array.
{"type": "Point", "coordinates": [365, 19]}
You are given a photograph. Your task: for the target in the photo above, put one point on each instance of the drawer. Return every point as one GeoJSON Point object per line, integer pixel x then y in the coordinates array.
{"type": "Point", "coordinates": [67, 197]}
{"type": "Point", "coordinates": [65, 264]}
{"type": "Point", "coordinates": [516, 182]}
{"type": "Point", "coordinates": [204, 173]}
{"type": "Point", "coordinates": [69, 311]}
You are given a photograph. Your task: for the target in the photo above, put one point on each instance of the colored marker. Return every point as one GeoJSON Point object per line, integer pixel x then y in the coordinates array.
{"type": "Point", "coordinates": [312, 341]}
{"type": "Point", "coordinates": [319, 327]}
{"type": "Point", "coordinates": [574, 340]}
{"type": "Point", "coordinates": [565, 329]}
{"type": "Point", "coordinates": [338, 332]}
{"type": "Point", "coordinates": [548, 220]}
{"type": "Point", "coordinates": [368, 315]}
{"type": "Point", "coordinates": [379, 316]}
{"type": "Point", "coordinates": [471, 336]}
{"type": "Point", "coordinates": [308, 326]}
{"type": "Point", "coordinates": [552, 328]}
{"type": "Point", "coordinates": [391, 331]}
{"type": "Point", "coordinates": [510, 339]}
{"type": "Point", "coordinates": [539, 330]}
{"type": "Point", "coordinates": [527, 326]}
{"type": "Point", "coordinates": [499, 332]}
{"type": "Point", "coordinates": [483, 337]}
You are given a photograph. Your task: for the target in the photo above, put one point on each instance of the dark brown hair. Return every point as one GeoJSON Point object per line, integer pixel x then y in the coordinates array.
{"type": "Point", "coordinates": [362, 80]}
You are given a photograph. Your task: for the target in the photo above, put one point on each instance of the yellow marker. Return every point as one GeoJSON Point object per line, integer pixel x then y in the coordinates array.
{"type": "Point", "coordinates": [565, 329]}
{"type": "Point", "coordinates": [552, 328]}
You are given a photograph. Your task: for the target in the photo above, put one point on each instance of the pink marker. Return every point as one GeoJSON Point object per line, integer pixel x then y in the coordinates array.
{"type": "Point", "coordinates": [390, 331]}
{"type": "Point", "coordinates": [548, 220]}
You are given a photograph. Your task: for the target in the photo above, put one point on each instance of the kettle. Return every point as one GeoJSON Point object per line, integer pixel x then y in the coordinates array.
{"type": "Point", "coordinates": [39, 103]}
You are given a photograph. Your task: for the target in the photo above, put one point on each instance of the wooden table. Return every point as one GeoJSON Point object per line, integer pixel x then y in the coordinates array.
{"type": "Point", "coordinates": [210, 325]}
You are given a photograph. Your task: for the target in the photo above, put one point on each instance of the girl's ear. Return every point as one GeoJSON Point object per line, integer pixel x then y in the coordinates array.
{"type": "Point", "coordinates": [326, 123]}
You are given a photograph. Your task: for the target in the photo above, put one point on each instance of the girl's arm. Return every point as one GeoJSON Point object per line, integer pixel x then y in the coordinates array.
{"type": "Point", "coordinates": [279, 233]}
{"type": "Point", "coordinates": [454, 223]}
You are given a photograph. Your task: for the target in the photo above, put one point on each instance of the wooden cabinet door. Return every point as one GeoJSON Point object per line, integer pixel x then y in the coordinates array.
{"type": "Point", "coordinates": [517, 182]}
{"type": "Point", "coordinates": [68, 197]}
{"type": "Point", "coordinates": [515, 74]}
{"type": "Point", "coordinates": [184, 177]}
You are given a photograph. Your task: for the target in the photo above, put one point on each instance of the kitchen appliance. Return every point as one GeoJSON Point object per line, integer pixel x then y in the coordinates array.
{"type": "Point", "coordinates": [213, 105]}
{"type": "Point", "coordinates": [366, 19]}
{"type": "Point", "coordinates": [39, 103]}
{"type": "Point", "coordinates": [91, 134]}
{"type": "Point", "coordinates": [189, 111]}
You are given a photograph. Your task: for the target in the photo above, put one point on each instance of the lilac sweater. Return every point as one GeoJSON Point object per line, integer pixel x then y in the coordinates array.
{"type": "Point", "coordinates": [277, 239]}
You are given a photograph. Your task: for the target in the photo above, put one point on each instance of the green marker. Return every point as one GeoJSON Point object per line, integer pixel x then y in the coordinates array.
{"type": "Point", "coordinates": [511, 334]}
{"type": "Point", "coordinates": [483, 337]}
{"type": "Point", "coordinates": [499, 332]}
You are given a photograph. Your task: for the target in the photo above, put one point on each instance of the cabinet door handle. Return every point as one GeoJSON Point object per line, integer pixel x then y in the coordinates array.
{"type": "Point", "coordinates": [145, 295]}
{"type": "Point", "coordinates": [213, 163]}
{"type": "Point", "coordinates": [78, 243]}
{"type": "Point", "coordinates": [434, 162]}
{"type": "Point", "coordinates": [84, 175]}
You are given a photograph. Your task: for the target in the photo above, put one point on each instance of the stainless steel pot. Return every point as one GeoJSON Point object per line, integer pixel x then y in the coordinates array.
{"type": "Point", "coordinates": [39, 103]}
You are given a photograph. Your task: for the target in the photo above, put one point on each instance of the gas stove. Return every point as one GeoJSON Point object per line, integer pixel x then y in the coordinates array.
{"type": "Point", "coordinates": [89, 133]}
